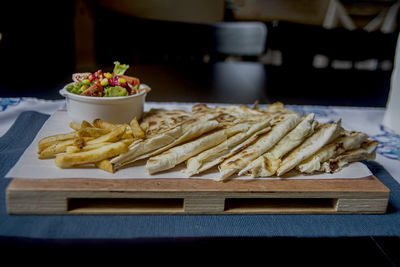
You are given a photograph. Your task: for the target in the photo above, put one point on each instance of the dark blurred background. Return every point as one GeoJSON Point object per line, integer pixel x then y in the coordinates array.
{"type": "Point", "coordinates": [238, 51]}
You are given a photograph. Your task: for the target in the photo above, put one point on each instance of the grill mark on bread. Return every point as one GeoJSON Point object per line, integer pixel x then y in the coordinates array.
{"type": "Point", "coordinates": [232, 162]}
{"type": "Point", "coordinates": [158, 121]}
{"type": "Point", "coordinates": [333, 165]}
{"type": "Point", "coordinates": [339, 147]}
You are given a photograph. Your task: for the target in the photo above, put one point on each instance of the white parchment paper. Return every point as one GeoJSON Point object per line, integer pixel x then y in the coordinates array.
{"type": "Point", "coordinates": [29, 166]}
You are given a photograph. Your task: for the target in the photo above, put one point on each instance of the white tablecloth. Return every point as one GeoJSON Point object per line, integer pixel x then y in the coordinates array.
{"type": "Point", "coordinates": [368, 120]}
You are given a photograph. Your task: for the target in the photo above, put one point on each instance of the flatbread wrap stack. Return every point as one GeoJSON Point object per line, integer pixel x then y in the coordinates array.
{"type": "Point", "coordinates": [267, 164]}
{"type": "Point", "coordinates": [233, 121]}
{"type": "Point", "coordinates": [239, 140]}
{"type": "Point", "coordinates": [280, 126]}
{"type": "Point", "coordinates": [323, 135]}
{"type": "Point", "coordinates": [215, 155]}
{"type": "Point", "coordinates": [161, 135]}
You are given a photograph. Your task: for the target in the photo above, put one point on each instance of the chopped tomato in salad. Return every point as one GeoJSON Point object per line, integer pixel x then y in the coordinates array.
{"type": "Point", "coordinates": [107, 84]}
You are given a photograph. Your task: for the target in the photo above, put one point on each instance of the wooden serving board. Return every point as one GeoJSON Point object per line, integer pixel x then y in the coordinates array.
{"type": "Point", "coordinates": [196, 196]}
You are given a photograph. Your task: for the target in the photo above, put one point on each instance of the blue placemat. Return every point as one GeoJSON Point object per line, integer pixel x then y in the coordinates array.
{"type": "Point", "coordinates": [21, 134]}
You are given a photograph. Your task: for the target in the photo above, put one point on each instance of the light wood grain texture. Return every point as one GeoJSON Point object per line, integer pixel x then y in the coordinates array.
{"type": "Point", "coordinates": [196, 196]}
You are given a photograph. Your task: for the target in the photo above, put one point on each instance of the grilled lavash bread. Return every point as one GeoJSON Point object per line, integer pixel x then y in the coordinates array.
{"type": "Point", "coordinates": [365, 152]}
{"type": "Point", "coordinates": [165, 137]}
{"type": "Point", "coordinates": [231, 122]}
{"type": "Point", "coordinates": [278, 107]}
{"type": "Point", "coordinates": [215, 155]}
{"type": "Point", "coordinates": [157, 121]}
{"type": "Point", "coordinates": [268, 163]}
{"type": "Point", "coordinates": [232, 114]}
{"type": "Point", "coordinates": [280, 125]}
{"type": "Point", "coordinates": [324, 134]}
{"type": "Point", "coordinates": [347, 141]}
{"type": "Point", "coordinates": [244, 140]}
{"type": "Point", "coordinates": [180, 153]}
{"type": "Point", "coordinates": [244, 112]}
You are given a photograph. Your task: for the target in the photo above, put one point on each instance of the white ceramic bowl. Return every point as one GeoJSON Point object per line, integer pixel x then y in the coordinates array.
{"type": "Point", "coordinates": [121, 109]}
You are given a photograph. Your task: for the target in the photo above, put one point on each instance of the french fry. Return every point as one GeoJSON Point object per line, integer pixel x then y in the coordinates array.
{"type": "Point", "coordinates": [110, 126]}
{"type": "Point", "coordinates": [112, 136]}
{"type": "Point", "coordinates": [79, 142]}
{"type": "Point", "coordinates": [105, 165]}
{"type": "Point", "coordinates": [86, 124]}
{"type": "Point", "coordinates": [128, 132]}
{"type": "Point", "coordinates": [94, 146]}
{"type": "Point", "coordinates": [50, 140]}
{"type": "Point", "coordinates": [92, 131]}
{"type": "Point", "coordinates": [72, 149]}
{"type": "Point", "coordinates": [61, 146]}
{"type": "Point", "coordinates": [55, 148]}
{"type": "Point", "coordinates": [137, 131]}
{"type": "Point", "coordinates": [108, 151]}
{"type": "Point", "coordinates": [74, 125]}
{"type": "Point", "coordinates": [98, 123]}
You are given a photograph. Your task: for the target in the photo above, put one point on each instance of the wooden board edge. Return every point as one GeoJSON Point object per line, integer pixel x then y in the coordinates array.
{"type": "Point", "coordinates": [367, 184]}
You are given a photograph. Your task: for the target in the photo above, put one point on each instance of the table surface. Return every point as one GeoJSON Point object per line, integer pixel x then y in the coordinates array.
{"type": "Point", "coordinates": [242, 83]}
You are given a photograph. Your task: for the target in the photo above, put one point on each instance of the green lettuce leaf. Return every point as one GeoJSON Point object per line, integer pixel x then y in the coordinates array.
{"type": "Point", "coordinates": [112, 91]}
{"type": "Point", "coordinates": [120, 69]}
{"type": "Point", "coordinates": [76, 88]}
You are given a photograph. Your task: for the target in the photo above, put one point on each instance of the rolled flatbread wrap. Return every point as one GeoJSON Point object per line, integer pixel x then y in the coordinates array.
{"type": "Point", "coordinates": [365, 152]}
{"type": "Point", "coordinates": [280, 126]}
{"type": "Point", "coordinates": [217, 154]}
{"type": "Point", "coordinates": [180, 153]}
{"type": "Point", "coordinates": [324, 134]}
{"type": "Point", "coordinates": [348, 141]}
{"type": "Point", "coordinates": [186, 131]}
{"type": "Point", "coordinates": [268, 163]}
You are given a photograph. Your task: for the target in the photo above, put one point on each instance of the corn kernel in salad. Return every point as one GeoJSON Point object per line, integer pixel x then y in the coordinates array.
{"type": "Point", "coordinates": [83, 88]}
{"type": "Point", "coordinates": [104, 82]}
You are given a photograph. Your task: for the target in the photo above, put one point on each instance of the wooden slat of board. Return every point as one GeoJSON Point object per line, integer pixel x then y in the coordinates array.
{"type": "Point", "coordinates": [370, 184]}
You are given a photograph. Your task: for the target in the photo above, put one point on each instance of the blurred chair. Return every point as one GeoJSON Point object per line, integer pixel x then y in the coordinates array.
{"type": "Point", "coordinates": [303, 45]}
{"type": "Point", "coordinates": [361, 47]}
{"type": "Point", "coordinates": [240, 39]}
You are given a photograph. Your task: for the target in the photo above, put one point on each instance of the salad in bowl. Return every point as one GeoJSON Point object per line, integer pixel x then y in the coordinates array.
{"type": "Point", "coordinates": [106, 84]}
{"type": "Point", "coordinates": [110, 96]}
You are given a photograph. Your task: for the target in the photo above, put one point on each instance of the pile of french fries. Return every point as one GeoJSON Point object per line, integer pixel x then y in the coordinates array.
{"type": "Point", "coordinates": [90, 143]}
